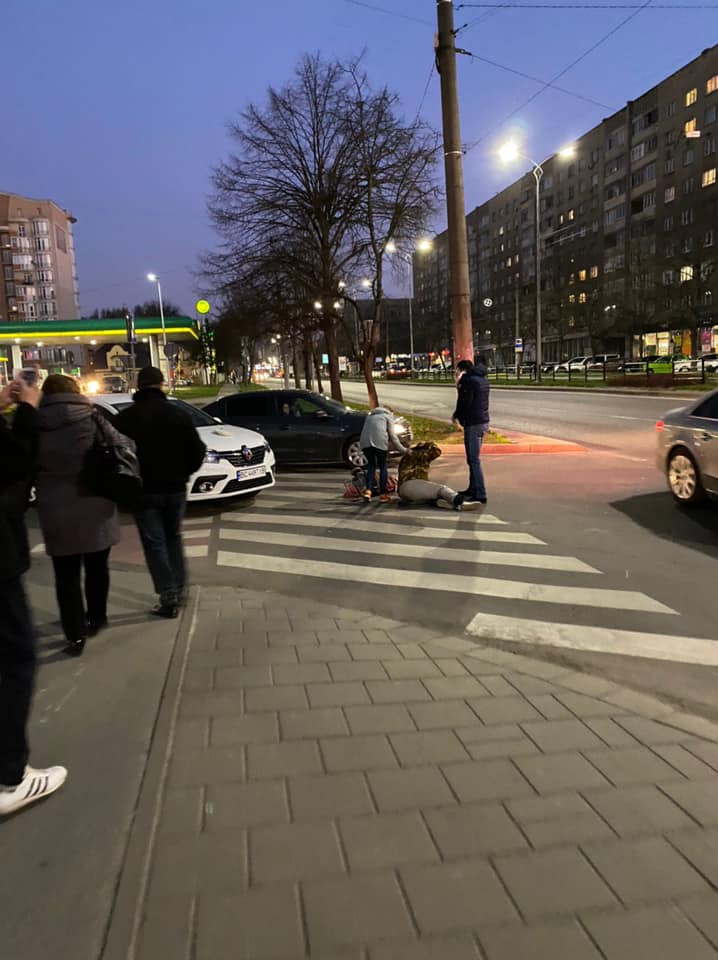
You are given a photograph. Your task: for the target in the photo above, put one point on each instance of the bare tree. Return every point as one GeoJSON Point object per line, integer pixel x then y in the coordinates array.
{"type": "Point", "coordinates": [396, 193]}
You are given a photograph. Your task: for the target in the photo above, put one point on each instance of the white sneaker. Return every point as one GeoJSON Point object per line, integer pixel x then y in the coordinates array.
{"type": "Point", "coordinates": [35, 785]}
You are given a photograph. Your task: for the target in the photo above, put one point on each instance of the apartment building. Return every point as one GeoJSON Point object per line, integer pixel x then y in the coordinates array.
{"type": "Point", "coordinates": [628, 230]}
{"type": "Point", "coordinates": [38, 261]}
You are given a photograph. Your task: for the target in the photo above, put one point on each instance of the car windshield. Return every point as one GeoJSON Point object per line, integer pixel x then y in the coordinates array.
{"type": "Point", "coordinates": [333, 405]}
{"type": "Point", "coordinates": [199, 417]}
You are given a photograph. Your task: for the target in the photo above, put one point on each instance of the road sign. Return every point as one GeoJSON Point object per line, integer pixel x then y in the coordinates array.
{"type": "Point", "coordinates": [202, 307]}
{"type": "Point", "coordinates": [488, 302]}
{"type": "Point", "coordinates": [519, 344]}
{"type": "Point", "coordinates": [171, 350]}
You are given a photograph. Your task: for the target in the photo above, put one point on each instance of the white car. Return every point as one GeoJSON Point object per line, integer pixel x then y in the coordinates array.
{"type": "Point", "coordinates": [238, 461]}
{"type": "Point", "coordinates": [574, 364]}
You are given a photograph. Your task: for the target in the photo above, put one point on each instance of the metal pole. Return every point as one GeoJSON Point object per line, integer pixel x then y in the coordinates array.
{"type": "Point", "coordinates": [411, 312]}
{"type": "Point", "coordinates": [538, 173]}
{"type": "Point", "coordinates": [517, 353]}
{"type": "Point", "coordinates": [164, 332]}
{"type": "Point", "coordinates": [459, 290]}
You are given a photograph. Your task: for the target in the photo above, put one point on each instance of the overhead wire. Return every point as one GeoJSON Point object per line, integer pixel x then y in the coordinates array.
{"type": "Point", "coordinates": [588, 6]}
{"type": "Point", "coordinates": [389, 12]}
{"type": "Point", "coordinates": [594, 46]}
{"type": "Point", "coordinates": [544, 83]}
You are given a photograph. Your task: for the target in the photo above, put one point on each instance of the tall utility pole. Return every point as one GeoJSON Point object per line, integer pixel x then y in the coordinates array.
{"type": "Point", "coordinates": [459, 290]}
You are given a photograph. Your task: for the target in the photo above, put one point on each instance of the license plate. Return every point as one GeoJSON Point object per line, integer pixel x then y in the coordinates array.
{"type": "Point", "coordinates": [251, 473]}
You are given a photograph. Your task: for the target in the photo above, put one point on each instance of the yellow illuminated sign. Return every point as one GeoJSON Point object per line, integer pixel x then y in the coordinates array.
{"type": "Point", "coordinates": [202, 307]}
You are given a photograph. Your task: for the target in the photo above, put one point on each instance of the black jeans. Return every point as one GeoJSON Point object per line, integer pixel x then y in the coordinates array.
{"type": "Point", "coordinates": [17, 678]}
{"type": "Point", "coordinates": [74, 610]}
{"type": "Point", "coordinates": [376, 460]}
{"type": "Point", "coordinates": [159, 521]}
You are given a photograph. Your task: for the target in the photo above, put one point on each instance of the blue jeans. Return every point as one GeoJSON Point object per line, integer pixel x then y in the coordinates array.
{"type": "Point", "coordinates": [376, 460]}
{"type": "Point", "coordinates": [159, 521]}
{"type": "Point", "coordinates": [473, 438]}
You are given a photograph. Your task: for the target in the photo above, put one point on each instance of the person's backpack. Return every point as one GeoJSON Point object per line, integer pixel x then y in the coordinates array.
{"type": "Point", "coordinates": [111, 470]}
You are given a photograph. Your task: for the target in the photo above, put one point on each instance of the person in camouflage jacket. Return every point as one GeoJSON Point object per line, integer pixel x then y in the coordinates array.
{"type": "Point", "coordinates": [414, 483]}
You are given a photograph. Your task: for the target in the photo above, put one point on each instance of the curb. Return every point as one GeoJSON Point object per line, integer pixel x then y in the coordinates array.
{"type": "Point", "coordinates": [519, 443]}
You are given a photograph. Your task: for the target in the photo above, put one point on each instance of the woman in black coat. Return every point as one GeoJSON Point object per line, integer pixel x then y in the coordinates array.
{"type": "Point", "coordinates": [79, 528]}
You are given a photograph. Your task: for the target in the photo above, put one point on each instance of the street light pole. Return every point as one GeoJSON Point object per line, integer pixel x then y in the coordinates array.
{"type": "Point", "coordinates": [153, 278]}
{"type": "Point", "coordinates": [538, 173]}
{"type": "Point", "coordinates": [411, 312]}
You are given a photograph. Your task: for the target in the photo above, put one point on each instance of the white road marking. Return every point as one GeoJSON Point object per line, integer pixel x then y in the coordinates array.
{"type": "Point", "coordinates": [195, 522]}
{"type": "Point", "coordinates": [279, 494]}
{"type": "Point", "coordinates": [446, 583]}
{"type": "Point", "coordinates": [38, 548]}
{"type": "Point", "coordinates": [384, 527]}
{"type": "Point", "coordinates": [196, 534]}
{"type": "Point", "coordinates": [196, 550]}
{"type": "Point", "coordinates": [616, 416]}
{"type": "Point", "coordinates": [535, 561]}
{"type": "Point", "coordinates": [629, 643]}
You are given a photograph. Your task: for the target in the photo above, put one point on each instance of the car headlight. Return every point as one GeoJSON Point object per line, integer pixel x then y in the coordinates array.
{"type": "Point", "coordinates": [212, 456]}
{"type": "Point", "coordinates": [401, 427]}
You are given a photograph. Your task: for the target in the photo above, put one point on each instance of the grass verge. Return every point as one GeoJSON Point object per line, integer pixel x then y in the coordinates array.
{"type": "Point", "coordinates": [424, 429]}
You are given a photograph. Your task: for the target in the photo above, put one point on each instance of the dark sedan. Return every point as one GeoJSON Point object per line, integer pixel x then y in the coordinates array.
{"type": "Point", "coordinates": [301, 426]}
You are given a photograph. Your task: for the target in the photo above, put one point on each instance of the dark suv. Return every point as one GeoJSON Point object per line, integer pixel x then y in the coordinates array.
{"type": "Point", "coordinates": [301, 427]}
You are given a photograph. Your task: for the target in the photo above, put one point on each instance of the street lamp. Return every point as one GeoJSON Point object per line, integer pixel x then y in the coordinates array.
{"type": "Point", "coordinates": [508, 153]}
{"type": "Point", "coordinates": [422, 246]}
{"type": "Point", "coordinates": [153, 278]}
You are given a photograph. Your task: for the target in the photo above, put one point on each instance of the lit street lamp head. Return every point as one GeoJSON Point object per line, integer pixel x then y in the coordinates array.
{"type": "Point", "coordinates": [509, 152]}
{"type": "Point", "coordinates": [425, 245]}
{"type": "Point", "coordinates": [317, 305]}
{"type": "Point", "coordinates": [152, 277]}
{"type": "Point", "coordinates": [366, 283]}
{"type": "Point", "coordinates": [390, 247]}
{"type": "Point", "coordinates": [567, 152]}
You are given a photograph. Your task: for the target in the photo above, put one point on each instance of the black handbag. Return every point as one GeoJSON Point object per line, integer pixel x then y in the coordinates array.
{"type": "Point", "coordinates": [111, 470]}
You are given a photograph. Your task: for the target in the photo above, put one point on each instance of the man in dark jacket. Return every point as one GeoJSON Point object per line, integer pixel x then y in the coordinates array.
{"type": "Point", "coordinates": [170, 451]}
{"type": "Point", "coordinates": [20, 784]}
{"type": "Point", "coordinates": [472, 412]}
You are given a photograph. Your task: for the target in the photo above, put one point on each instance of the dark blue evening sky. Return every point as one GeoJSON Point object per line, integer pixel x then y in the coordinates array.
{"type": "Point", "coordinates": [118, 110]}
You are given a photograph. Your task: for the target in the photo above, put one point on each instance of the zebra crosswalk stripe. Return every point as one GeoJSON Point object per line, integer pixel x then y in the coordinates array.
{"type": "Point", "coordinates": [446, 583]}
{"type": "Point", "coordinates": [476, 556]}
{"type": "Point", "coordinates": [631, 643]}
{"type": "Point", "coordinates": [384, 528]}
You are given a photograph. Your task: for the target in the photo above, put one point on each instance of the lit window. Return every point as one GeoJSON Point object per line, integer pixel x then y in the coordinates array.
{"type": "Point", "coordinates": [582, 298]}
{"type": "Point", "coordinates": [572, 298]}
{"type": "Point", "coordinates": [712, 84]}
{"type": "Point", "coordinates": [690, 126]}
{"type": "Point", "coordinates": [709, 177]}
{"type": "Point", "coordinates": [669, 195]}
{"type": "Point", "coordinates": [691, 96]}
{"type": "Point", "coordinates": [570, 215]}
{"type": "Point", "coordinates": [572, 278]}
{"type": "Point", "coordinates": [581, 275]}
{"type": "Point", "coordinates": [708, 297]}
{"type": "Point", "coordinates": [686, 274]}
{"type": "Point", "coordinates": [594, 273]}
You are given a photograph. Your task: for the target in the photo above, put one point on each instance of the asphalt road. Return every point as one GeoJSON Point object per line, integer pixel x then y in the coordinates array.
{"type": "Point", "coordinates": [620, 422]}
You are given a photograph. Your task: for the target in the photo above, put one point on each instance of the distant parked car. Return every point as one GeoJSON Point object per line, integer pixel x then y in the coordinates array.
{"type": "Point", "coordinates": [605, 361]}
{"type": "Point", "coordinates": [301, 426]}
{"type": "Point", "coordinates": [574, 365]}
{"type": "Point", "coordinates": [707, 361]}
{"type": "Point", "coordinates": [114, 384]}
{"type": "Point", "coordinates": [687, 449]}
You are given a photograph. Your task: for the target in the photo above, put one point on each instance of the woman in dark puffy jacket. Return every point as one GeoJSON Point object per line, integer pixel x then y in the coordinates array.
{"type": "Point", "coordinates": [79, 528]}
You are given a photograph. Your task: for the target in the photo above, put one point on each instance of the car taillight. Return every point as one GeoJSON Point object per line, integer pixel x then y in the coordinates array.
{"type": "Point", "coordinates": [659, 425]}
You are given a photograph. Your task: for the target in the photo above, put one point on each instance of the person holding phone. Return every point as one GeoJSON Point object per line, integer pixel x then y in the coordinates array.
{"type": "Point", "coordinates": [20, 784]}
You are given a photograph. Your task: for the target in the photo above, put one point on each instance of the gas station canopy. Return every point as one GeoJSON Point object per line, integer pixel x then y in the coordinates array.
{"type": "Point", "coordinates": [61, 333]}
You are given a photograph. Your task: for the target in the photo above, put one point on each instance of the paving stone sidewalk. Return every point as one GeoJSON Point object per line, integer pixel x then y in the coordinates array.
{"type": "Point", "coordinates": [341, 786]}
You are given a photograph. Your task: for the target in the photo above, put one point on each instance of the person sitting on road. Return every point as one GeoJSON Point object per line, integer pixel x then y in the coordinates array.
{"type": "Point", "coordinates": [377, 435]}
{"type": "Point", "coordinates": [414, 483]}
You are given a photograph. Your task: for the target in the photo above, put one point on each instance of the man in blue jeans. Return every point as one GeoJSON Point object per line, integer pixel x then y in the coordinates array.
{"type": "Point", "coordinates": [472, 412]}
{"type": "Point", "coordinates": [170, 451]}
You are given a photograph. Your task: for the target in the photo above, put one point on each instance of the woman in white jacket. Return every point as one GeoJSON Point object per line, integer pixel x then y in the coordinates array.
{"type": "Point", "coordinates": [377, 435]}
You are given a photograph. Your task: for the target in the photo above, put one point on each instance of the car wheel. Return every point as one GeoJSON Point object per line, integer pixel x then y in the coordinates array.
{"type": "Point", "coordinates": [353, 453]}
{"type": "Point", "coordinates": [684, 479]}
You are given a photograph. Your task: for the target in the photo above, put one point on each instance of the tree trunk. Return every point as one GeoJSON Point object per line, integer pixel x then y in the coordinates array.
{"type": "Point", "coordinates": [331, 344]}
{"type": "Point", "coordinates": [368, 369]}
{"type": "Point", "coordinates": [296, 365]}
{"type": "Point", "coordinates": [317, 367]}
{"type": "Point", "coordinates": [308, 378]}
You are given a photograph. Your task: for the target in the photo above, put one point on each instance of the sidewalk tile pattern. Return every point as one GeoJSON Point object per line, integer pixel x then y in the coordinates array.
{"type": "Point", "coordinates": [342, 787]}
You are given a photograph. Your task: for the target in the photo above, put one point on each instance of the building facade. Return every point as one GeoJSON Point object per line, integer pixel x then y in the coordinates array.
{"type": "Point", "coordinates": [628, 229]}
{"type": "Point", "coordinates": [38, 261]}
